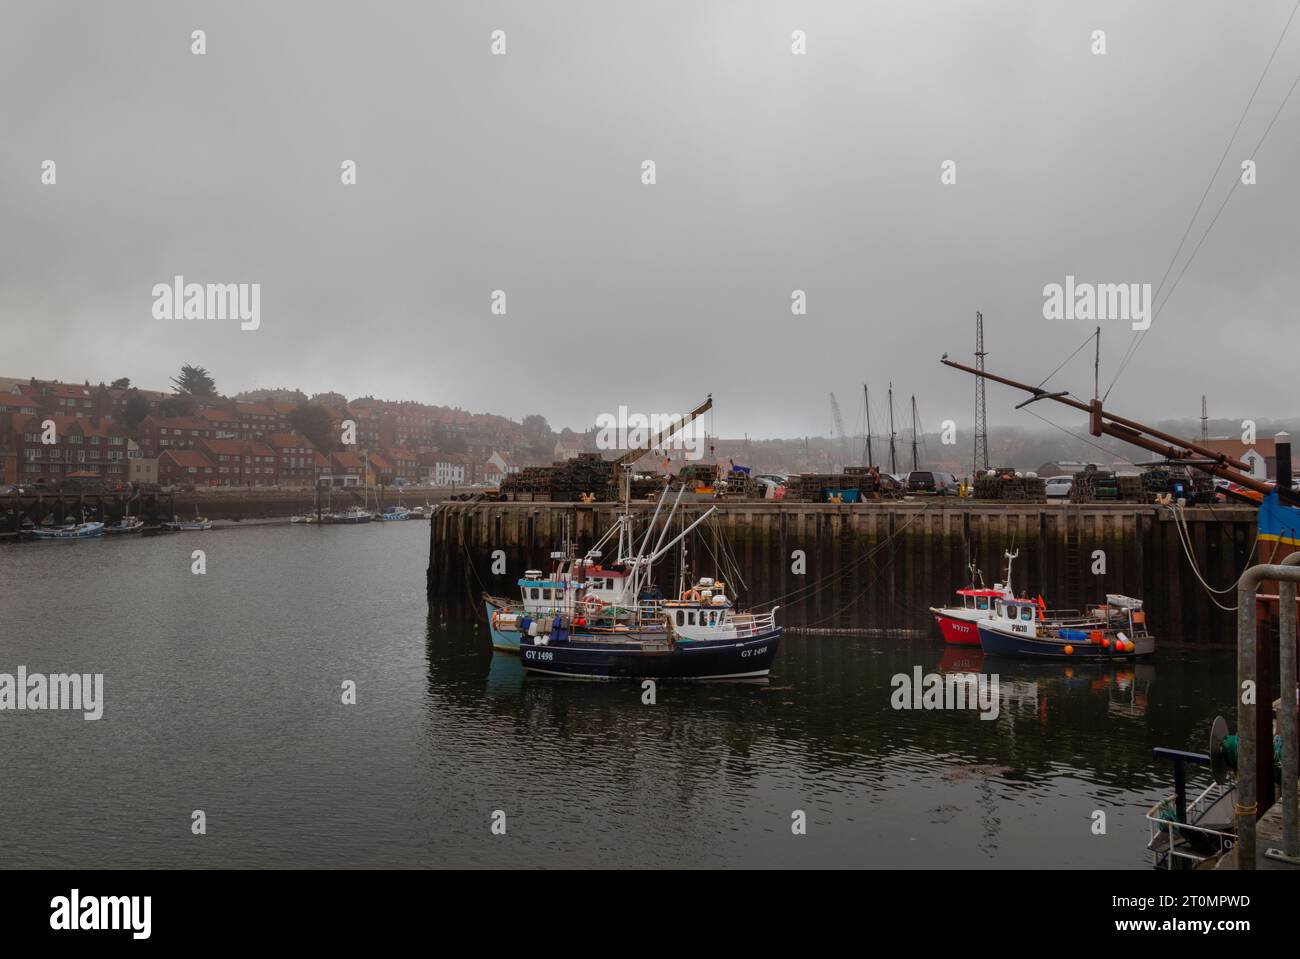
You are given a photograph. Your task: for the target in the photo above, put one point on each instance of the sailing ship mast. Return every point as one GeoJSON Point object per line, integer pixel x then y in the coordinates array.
{"type": "Point", "coordinates": [870, 456]}
{"type": "Point", "coordinates": [893, 455]}
{"type": "Point", "coordinates": [914, 466]}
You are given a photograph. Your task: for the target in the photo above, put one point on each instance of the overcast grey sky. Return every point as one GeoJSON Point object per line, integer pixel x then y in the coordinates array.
{"type": "Point", "coordinates": [775, 172]}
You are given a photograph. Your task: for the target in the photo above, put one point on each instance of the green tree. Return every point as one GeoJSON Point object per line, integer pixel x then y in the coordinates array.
{"type": "Point", "coordinates": [179, 406]}
{"type": "Point", "coordinates": [194, 381]}
{"type": "Point", "coordinates": [137, 408]}
{"type": "Point", "coordinates": [121, 383]}
{"type": "Point", "coordinates": [315, 423]}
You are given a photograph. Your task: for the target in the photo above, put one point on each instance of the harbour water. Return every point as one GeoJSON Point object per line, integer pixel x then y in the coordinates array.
{"type": "Point", "coordinates": [223, 693]}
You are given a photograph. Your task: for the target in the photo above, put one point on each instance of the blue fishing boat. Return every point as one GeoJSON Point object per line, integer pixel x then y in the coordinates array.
{"type": "Point", "coordinates": [1278, 522]}
{"type": "Point", "coordinates": [720, 645]}
{"type": "Point", "coordinates": [610, 620]}
{"type": "Point", "coordinates": [392, 514]}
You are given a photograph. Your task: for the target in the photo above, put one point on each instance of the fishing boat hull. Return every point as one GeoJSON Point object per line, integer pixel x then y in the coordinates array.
{"type": "Point", "coordinates": [578, 657]}
{"type": "Point", "coordinates": [501, 627]}
{"type": "Point", "coordinates": [957, 627]}
{"type": "Point", "coordinates": [133, 526]}
{"type": "Point", "coordinates": [79, 531]}
{"type": "Point", "coordinates": [1001, 642]}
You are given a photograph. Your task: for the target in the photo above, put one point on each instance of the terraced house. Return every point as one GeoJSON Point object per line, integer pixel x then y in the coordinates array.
{"type": "Point", "coordinates": [90, 445]}
{"type": "Point", "coordinates": [157, 433]}
{"type": "Point", "coordinates": [296, 460]}
{"type": "Point", "coordinates": [241, 462]}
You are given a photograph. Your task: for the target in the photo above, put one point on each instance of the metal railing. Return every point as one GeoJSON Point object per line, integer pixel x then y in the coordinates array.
{"type": "Point", "coordinates": [1287, 574]}
{"type": "Point", "coordinates": [1184, 833]}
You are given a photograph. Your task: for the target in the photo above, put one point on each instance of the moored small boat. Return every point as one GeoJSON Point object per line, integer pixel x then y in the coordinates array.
{"type": "Point", "coordinates": [957, 624]}
{"type": "Point", "coordinates": [128, 524]}
{"type": "Point", "coordinates": [709, 644]}
{"type": "Point", "coordinates": [71, 531]}
{"type": "Point", "coordinates": [1022, 627]}
{"type": "Point", "coordinates": [351, 516]}
{"type": "Point", "coordinates": [393, 514]}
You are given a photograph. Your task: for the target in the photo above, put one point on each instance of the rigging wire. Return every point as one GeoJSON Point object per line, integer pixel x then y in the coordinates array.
{"type": "Point", "coordinates": [1091, 337]}
{"type": "Point", "coordinates": [1138, 337]}
{"type": "Point", "coordinates": [1081, 439]}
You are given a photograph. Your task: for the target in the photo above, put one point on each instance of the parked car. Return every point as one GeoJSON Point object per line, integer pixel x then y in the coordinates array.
{"type": "Point", "coordinates": [1058, 487]}
{"type": "Point", "coordinates": [926, 481]}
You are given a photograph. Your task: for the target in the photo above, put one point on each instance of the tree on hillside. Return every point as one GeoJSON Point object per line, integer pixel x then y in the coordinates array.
{"type": "Point", "coordinates": [315, 423]}
{"type": "Point", "coordinates": [194, 381]}
{"type": "Point", "coordinates": [137, 408]}
{"type": "Point", "coordinates": [180, 405]}
{"type": "Point", "coordinates": [539, 436]}
{"type": "Point", "coordinates": [121, 383]}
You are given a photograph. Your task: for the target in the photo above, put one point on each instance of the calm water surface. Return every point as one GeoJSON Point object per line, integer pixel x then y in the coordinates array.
{"type": "Point", "coordinates": [223, 694]}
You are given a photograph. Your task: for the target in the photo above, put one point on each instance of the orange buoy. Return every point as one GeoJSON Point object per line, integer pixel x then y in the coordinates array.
{"type": "Point", "coordinates": [1105, 643]}
{"type": "Point", "coordinates": [1069, 650]}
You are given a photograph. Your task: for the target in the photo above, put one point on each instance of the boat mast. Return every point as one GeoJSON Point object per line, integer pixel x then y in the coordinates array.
{"type": "Point", "coordinates": [1096, 367]}
{"type": "Point", "coordinates": [893, 456]}
{"type": "Point", "coordinates": [914, 466]}
{"type": "Point", "coordinates": [870, 457]}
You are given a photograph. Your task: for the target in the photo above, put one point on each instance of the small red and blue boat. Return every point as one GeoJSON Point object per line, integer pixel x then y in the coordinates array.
{"type": "Point", "coordinates": [957, 624]}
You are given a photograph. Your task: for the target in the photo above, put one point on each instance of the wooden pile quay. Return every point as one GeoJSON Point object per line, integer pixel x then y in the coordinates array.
{"type": "Point", "coordinates": [877, 565]}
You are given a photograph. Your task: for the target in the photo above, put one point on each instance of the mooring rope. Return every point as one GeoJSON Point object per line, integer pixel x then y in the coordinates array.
{"type": "Point", "coordinates": [1185, 540]}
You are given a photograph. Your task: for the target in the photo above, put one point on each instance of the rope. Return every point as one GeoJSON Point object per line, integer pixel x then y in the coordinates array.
{"type": "Point", "coordinates": [1185, 539]}
{"type": "Point", "coordinates": [1081, 439]}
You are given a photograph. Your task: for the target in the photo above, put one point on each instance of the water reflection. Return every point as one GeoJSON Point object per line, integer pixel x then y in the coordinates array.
{"type": "Point", "coordinates": [824, 722]}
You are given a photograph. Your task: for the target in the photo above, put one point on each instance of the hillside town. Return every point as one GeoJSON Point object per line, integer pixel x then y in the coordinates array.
{"type": "Point", "coordinates": [52, 432]}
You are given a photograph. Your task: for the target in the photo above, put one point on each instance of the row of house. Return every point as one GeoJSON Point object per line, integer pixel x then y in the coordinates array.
{"type": "Point", "coordinates": [241, 441]}
{"type": "Point", "coordinates": [287, 459]}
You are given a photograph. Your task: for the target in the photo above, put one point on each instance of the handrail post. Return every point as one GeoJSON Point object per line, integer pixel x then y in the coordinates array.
{"type": "Point", "coordinates": [1287, 721]}
{"type": "Point", "coordinates": [1287, 575]}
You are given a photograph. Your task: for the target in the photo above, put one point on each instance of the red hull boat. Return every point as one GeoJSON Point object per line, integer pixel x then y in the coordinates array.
{"type": "Point", "coordinates": [959, 625]}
